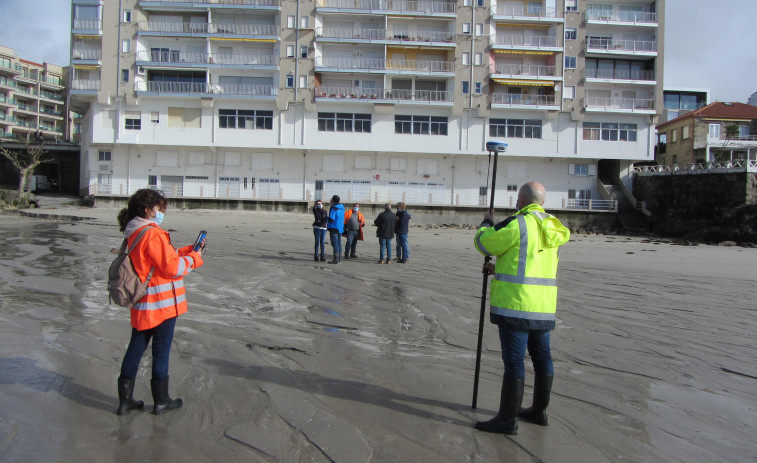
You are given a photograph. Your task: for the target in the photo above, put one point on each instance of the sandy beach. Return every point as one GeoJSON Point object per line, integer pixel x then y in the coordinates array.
{"type": "Point", "coordinates": [282, 359]}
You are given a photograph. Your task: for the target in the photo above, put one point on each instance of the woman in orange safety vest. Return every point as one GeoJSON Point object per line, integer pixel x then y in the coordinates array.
{"type": "Point", "coordinates": [154, 316]}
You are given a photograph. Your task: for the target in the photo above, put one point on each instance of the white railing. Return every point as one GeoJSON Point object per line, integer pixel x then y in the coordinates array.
{"type": "Point", "coordinates": [176, 57]}
{"type": "Point", "coordinates": [631, 104]}
{"type": "Point", "coordinates": [87, 24]}
{"type": "Point", "coordinates": [206, 28]}
{"type": "Point", "coordinates": [403, 6]}
{"type": "Point", "coordinates": [526, 100]}
{"type": "Point", "coordinates": [384, 64]}
{"type": "Point", "coordinates": [205, 88]}
{"type": "Point", "coordinates": [216, 2]}
{"type": "Point", "coordinates": [93, 54]}
{"type": "Point", "coordinates": [608, 205]}
{"type": "Point", "coordinates": [384, 34]}
{"type": "Point", "coordinates": [602, 44]}
{"type": "Point", "coordinates": [520, 41]}
{"type": "Point", "coordinates": [526, 11]}
{"type": "Point", "coordinates": [526, 70]}
{"type": "Point", "coordinates": [644, 17]}
{"type": "Point", "coordinates": [620, 74]}
{"type": "Point", "coordinates": [384, 94]}
{"type": "Point", "coordinates": [750, 165]}
{"type": "Point", "coordinates": [85, 84]}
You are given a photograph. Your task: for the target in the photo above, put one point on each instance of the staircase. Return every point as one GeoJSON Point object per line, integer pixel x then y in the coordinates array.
{"type": "Point", "coordinates": [629, 217]}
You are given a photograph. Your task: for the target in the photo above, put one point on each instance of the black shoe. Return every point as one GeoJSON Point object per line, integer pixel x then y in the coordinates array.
{"type": "Point", "coordinates": [336, 259]}
{"type": "Point", "coordinates": [537, 413]}
{"type": "Point", "coordinates": [315, 258]}
{"type": "Point", "coordinates": [323, 258]}
{"type": "Point", "coordinates": [353, 256]}
{"type": "Point", "coordinates": [506, 421]}
{"type": "Point", "coordinates": [125, 397]}
{"type": "Point", "coordinates": [161, 398]}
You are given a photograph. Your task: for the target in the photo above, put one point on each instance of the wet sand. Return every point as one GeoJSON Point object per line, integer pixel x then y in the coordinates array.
{"type": "Point", "coordinates": [282, 359]}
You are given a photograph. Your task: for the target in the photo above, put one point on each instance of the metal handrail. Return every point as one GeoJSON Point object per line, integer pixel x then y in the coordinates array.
{"type": "Point", "coordinates": [87, 24]}
{"type": "Point", "coordinates": [533, 70]}
{"type": "Point", "coordinates": [597, 43]}
{"type": "Point", "coordinates": [205, 88]}
{"type": "Point", "coordinates": [384, 34]}
{"type": "Point", "coordinates": [403, 6]}
{"type": "Point", "coordinates": [619, 103]}
{"type": "Point", "coordinates": [749, 164]}
{"type": "Point", "coordinates": [538, 41]}
{"type": "Point", "coordinates": [208, 28]}
{"type": "Point", "coordinates": [385, 64]}
{"type": "Point", "coordinates": [526, 11]}
{"type": "Point", "coordinates": [219, 2]}
{"type": "Point", "coordinates": [624, 74]}
{"type": "Point", "coordinates": [645, 17]}
{"type": "Point", "coordinates": [85, 84]}
{"type": "Point", "coordinates": [384, 94]}
{"type": "Point", "coordinates": [90, 54]}
{"type": "Point", "coordinates": [178, 57]}
{"type": "Point", "coordinates": [527, 100]}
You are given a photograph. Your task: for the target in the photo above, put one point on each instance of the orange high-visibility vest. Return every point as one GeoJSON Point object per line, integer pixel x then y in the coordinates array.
{"type": "Point", "coordinates": [166, 297]}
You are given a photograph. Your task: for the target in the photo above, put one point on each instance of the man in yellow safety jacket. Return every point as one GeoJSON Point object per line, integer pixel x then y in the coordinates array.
{"type": "Point", "coordinates": [523, 301]}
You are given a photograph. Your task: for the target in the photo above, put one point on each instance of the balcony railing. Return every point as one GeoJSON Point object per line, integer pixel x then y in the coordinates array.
{"type": "Point", "coordinates": [519, 41]}
{"type": "Point", "coordinates": [749, 165]}
{"type": "Point", "coordinates": [51, 112]}
{"type": "Point", "coordinates": [384, 34]}
{"type": "Point", "coordinates": [384, 64]}
{"type": "Point", "coordinates": [210, 3]}
{"type": "Point", "coordinates": [205, 88]}
{"type": "Point", "coordinates": [10, 67]}
{"type": "Point", "coordinates": [526, 70]}
{"type": "Point", "coordinates": [51, 96]}
{"type": "Point", "coordinates": [26, 91]}
{"type": "Point", "coordinates": [426, 96]}
{"type": "Point", "coordinates": [26, 124]}
{"type": "Point", "coordinates": [403, 6]}
{"type": "Point", "coordinates": [620, 74]}
{"type": "Point", "coordinates": [8, 83]}
{"type": "Point", "coordinates": [634, 46]}
{"type": "Point", "coordinates": [605, 103]}
{"type": "Point", "coordinates": [26, 107]}
{"type": "Point", "coordinates": [87, 24]}
{"type": "Point", "coordinates": [526, 11]}
{"type": "Point", "coordinates": [95, 54]}
{"type": "Point", "coordinates": [642, 17]}
{"type": "Point", "coordinates": [85, 84]}
{"type": "Point", "coordinates": [205, 28]}
{"type": "Point", "coordinates": [522, 100]}
{"type": "Point", "coordinates": [177, 57]}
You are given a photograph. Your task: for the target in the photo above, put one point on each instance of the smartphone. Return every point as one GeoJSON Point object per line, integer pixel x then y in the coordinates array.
{"type": "Point", "coordinates": [198, 242]}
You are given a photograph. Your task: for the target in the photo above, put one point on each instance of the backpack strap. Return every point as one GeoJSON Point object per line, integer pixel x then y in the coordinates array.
{"type": "Point", "coordinates": [134, 245]}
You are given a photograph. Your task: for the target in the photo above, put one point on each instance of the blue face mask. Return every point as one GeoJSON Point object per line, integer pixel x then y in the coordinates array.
{"type": "Point", "coordinates": [159, 216]}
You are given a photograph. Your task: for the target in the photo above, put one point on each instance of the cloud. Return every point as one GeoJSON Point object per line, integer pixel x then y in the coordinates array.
{"type": "Point", "coordinates": [38, 30]}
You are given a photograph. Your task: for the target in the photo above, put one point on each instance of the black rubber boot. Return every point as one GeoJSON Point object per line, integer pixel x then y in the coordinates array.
{"type": "Point", "coordinates": [125, 397]}
{"type": "Point", "coordinates": [323, 258]}
{"type": "Point", "coordinates": [336, 259]}
{"type": "Point", "coordinates": [160, 395]}
{"type": "Point", "coordinates": [506, 421]}
{"type": "Point", "coordinates": [537, 413]}
{"type": "Point", "coordinates": [315, 257]}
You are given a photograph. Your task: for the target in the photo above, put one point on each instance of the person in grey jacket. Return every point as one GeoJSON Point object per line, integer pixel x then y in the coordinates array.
{"type": "Point", "coordinates": [385, 232]}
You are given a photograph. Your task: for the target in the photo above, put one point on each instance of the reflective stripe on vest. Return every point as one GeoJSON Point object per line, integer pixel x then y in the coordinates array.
{"type": "Point", "coordinates": [157, 305]}
{"type": "Point", "coordinates": [481, 246]}
{"type": "Point", "coordinates": [185, 266]}
{"type": "Point", "coordinates": [512, 313]}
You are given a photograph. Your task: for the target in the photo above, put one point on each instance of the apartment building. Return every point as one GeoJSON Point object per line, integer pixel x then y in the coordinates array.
{"type": "Point", "coordinates": [374, 100]}
{"type": "Point", "coordinates": [32, 98]}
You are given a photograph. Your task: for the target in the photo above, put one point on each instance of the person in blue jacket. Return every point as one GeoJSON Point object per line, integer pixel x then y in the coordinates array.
{"type": "Point", "coordinates": [336, 228]}
{"type": "Point", "coordinates": [400, 229]}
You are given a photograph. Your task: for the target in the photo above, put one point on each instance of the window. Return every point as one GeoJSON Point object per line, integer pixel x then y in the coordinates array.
{"type": "Point", "coordinates": [479, 29]}
{"type": "Point", "coordinates": [714, 131]}
{"type": "Point", "coordinates": [512, 187]}
{"type": "Point", "coordinates": [304, 22]}
{"type": "Point", "coordinates": [480, 2]}
{"type": "Point", "coordinates": [133, 120]}
{"type": "Point", "coordinates": [124, 75]}
{"type": "Point", "coordinates": [291, 22]}
{"type": "Point", "coordinates": [290, 51]}
{"type": "Point", "coordinates": [515, 128]}
{"type": "Point", "coordinates": [397, 164]}
{"type": "Point", "coordinates": [344, 122]}
{"type": "Point", "coordinates": [103, 156]}
{"type": "Point", "coordinates": [609, 131]}
{"type": "Point", "coordinates": [466, 87]}
{"type": "Point", "coordinates": [570, 62]}
{"type": "Point", "coordinates": [303, 81]}
{"type": "Point", "coordinates": [245, 119]}
{"type": "Point", "coordinates": [127, 16]}
{"type": "Point", "coordinates": [466, 58]}
{"type": "Point", "coordinates": [167, 159]}
{"type": "Point", "coordinates": [290, 81]}
{"type": "Point", "coordinates": [466, 28]}
{"type": "Point", "coordinates": [571, 33]}
{"type": "Point", "coordinates": [420, 125]}
{"type": "Point", "coordinates": [685, 132]}
{"type": "Point", "coordinates": [303, 51]}
{"type": "Point", "coordinates": [467, 3]}
{"type": "Point", "coordinates": [184, 117]}
{"type": "Point", "coordinates": [478, 59]}
{"type": "Point", "coordinates": [125, 46]}
{"type": "Point", "coordinates": [579, 169]}
{"type": "Point", "coordinates": [477, 88]}
{"type": "Point", "coordinates": [674, 135]}
{"type": "Point", "coordinates": [569, 93]}
{"type": "Point", "coordinates": [154, 117]}
{"type": "Point", "coordinates": [570, 5]}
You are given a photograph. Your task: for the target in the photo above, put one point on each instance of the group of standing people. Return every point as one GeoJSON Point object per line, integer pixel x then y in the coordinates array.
{"type": "Point", "coordinates": [336, 222]}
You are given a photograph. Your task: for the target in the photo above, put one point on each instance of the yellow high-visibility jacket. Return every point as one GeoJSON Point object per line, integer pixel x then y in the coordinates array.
{"type": "Point", "coordinates": [524, 287]}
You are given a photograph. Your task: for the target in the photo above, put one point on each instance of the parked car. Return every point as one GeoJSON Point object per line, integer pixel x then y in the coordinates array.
{"type": "Point", "coordinates": [41, 183]}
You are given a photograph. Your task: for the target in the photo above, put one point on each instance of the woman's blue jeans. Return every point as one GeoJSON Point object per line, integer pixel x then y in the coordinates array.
{"type": "Point", "coordinates": [320, 240]}
{"type": "Point", "coordinates": [385, 243]}
{"type": "Point", "coordinates": [514, 344]}
{"type": "Point", "coordinates": [403, 249]}
{"type": "Point", "coordinates": [336, 241]}
{"type": "Point", "coordinates": [162, 336]}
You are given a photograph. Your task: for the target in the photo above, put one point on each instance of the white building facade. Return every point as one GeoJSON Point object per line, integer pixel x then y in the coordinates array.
{"type": "Point", "coordinates": [374, 100]}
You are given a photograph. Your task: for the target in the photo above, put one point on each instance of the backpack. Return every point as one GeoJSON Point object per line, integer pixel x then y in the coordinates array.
{"type": "Point", "coordinates": [124, 286]}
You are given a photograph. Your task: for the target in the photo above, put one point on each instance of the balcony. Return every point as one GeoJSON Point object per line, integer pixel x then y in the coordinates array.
{"type": "Point", "coordinates": [26, 92]}
{"type": "Point", "coordinates": [520, 42]}
{"type": "Point", "coordinates": [384, 65]}
{"type": "Point", "coordinates": [51, 96]}
{"type": "Point", "coordinates": [7, 102]}
{"type": "Point", "coordinates": [51, 82]}
{"type": "Point", "coordinates": [527, 13]}
{"type": "Point", "coordinates": [91, 26]}
{"type": "Point", "coordinates": [404, 7]}
{"type": "Point", "coordinates": [262, 32]}
{"type": "Point", "coordinates": [10, 69]}
{"type": "Point", "coordinates": [540, 102]}
{"type": "Point", "coordinates": [383, 95]}
{"type": "Point", "coordinates": [26, 108]}
{"type": "Point", "coordinates": [21, 123]}
{"type": "Point", "coordinates": [8, 84]}
{"type": "Point", "coordinates": [216, 4]}
{"type": "Point", "coordinates": [185, 59]}
{"type": "Point", "coordinates": [50, 112]}
{"type": "Point", "coordinates": [624, 105]}
{"type": "Point", "coordinates": [645, 76]}
{"type": "Point", "coordinates": [624, 47]}
{"type": "Point", "coordinates": [84, 86]}
{"type": "Point", "coordinates": [203, 88]}
{"type": "Point", "coordinates": [389, 36]}
{"type": "Point", "coordinates": [640, 18]}
{"type": "Point", "coordinates": [528, 71]}
{"type": "Point", "coordinates": [86, 56]}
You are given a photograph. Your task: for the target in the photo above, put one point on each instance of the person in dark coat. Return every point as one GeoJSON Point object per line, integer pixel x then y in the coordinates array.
{"type": "Point", "coordinates": [319, 229]}
{"type": "Point", "coordinates": [400, 229]}
{"type": "Point", "coordinates": [385, 232]}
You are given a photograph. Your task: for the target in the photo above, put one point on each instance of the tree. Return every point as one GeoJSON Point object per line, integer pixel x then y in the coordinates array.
{"type": "Point", "coordinates": [25, 161]}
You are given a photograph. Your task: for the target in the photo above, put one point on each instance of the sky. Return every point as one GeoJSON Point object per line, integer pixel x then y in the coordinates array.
{"type": "Point", "coordinates": [708, 44]}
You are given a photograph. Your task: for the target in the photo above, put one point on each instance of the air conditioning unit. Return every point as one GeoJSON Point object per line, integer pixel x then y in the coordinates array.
{"type": "Point", "coordinates": [141, 70]}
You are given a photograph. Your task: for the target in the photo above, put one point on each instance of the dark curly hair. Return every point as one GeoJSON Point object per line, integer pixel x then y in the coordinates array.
{"type": "Point", "coordinates": [139, 201]}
